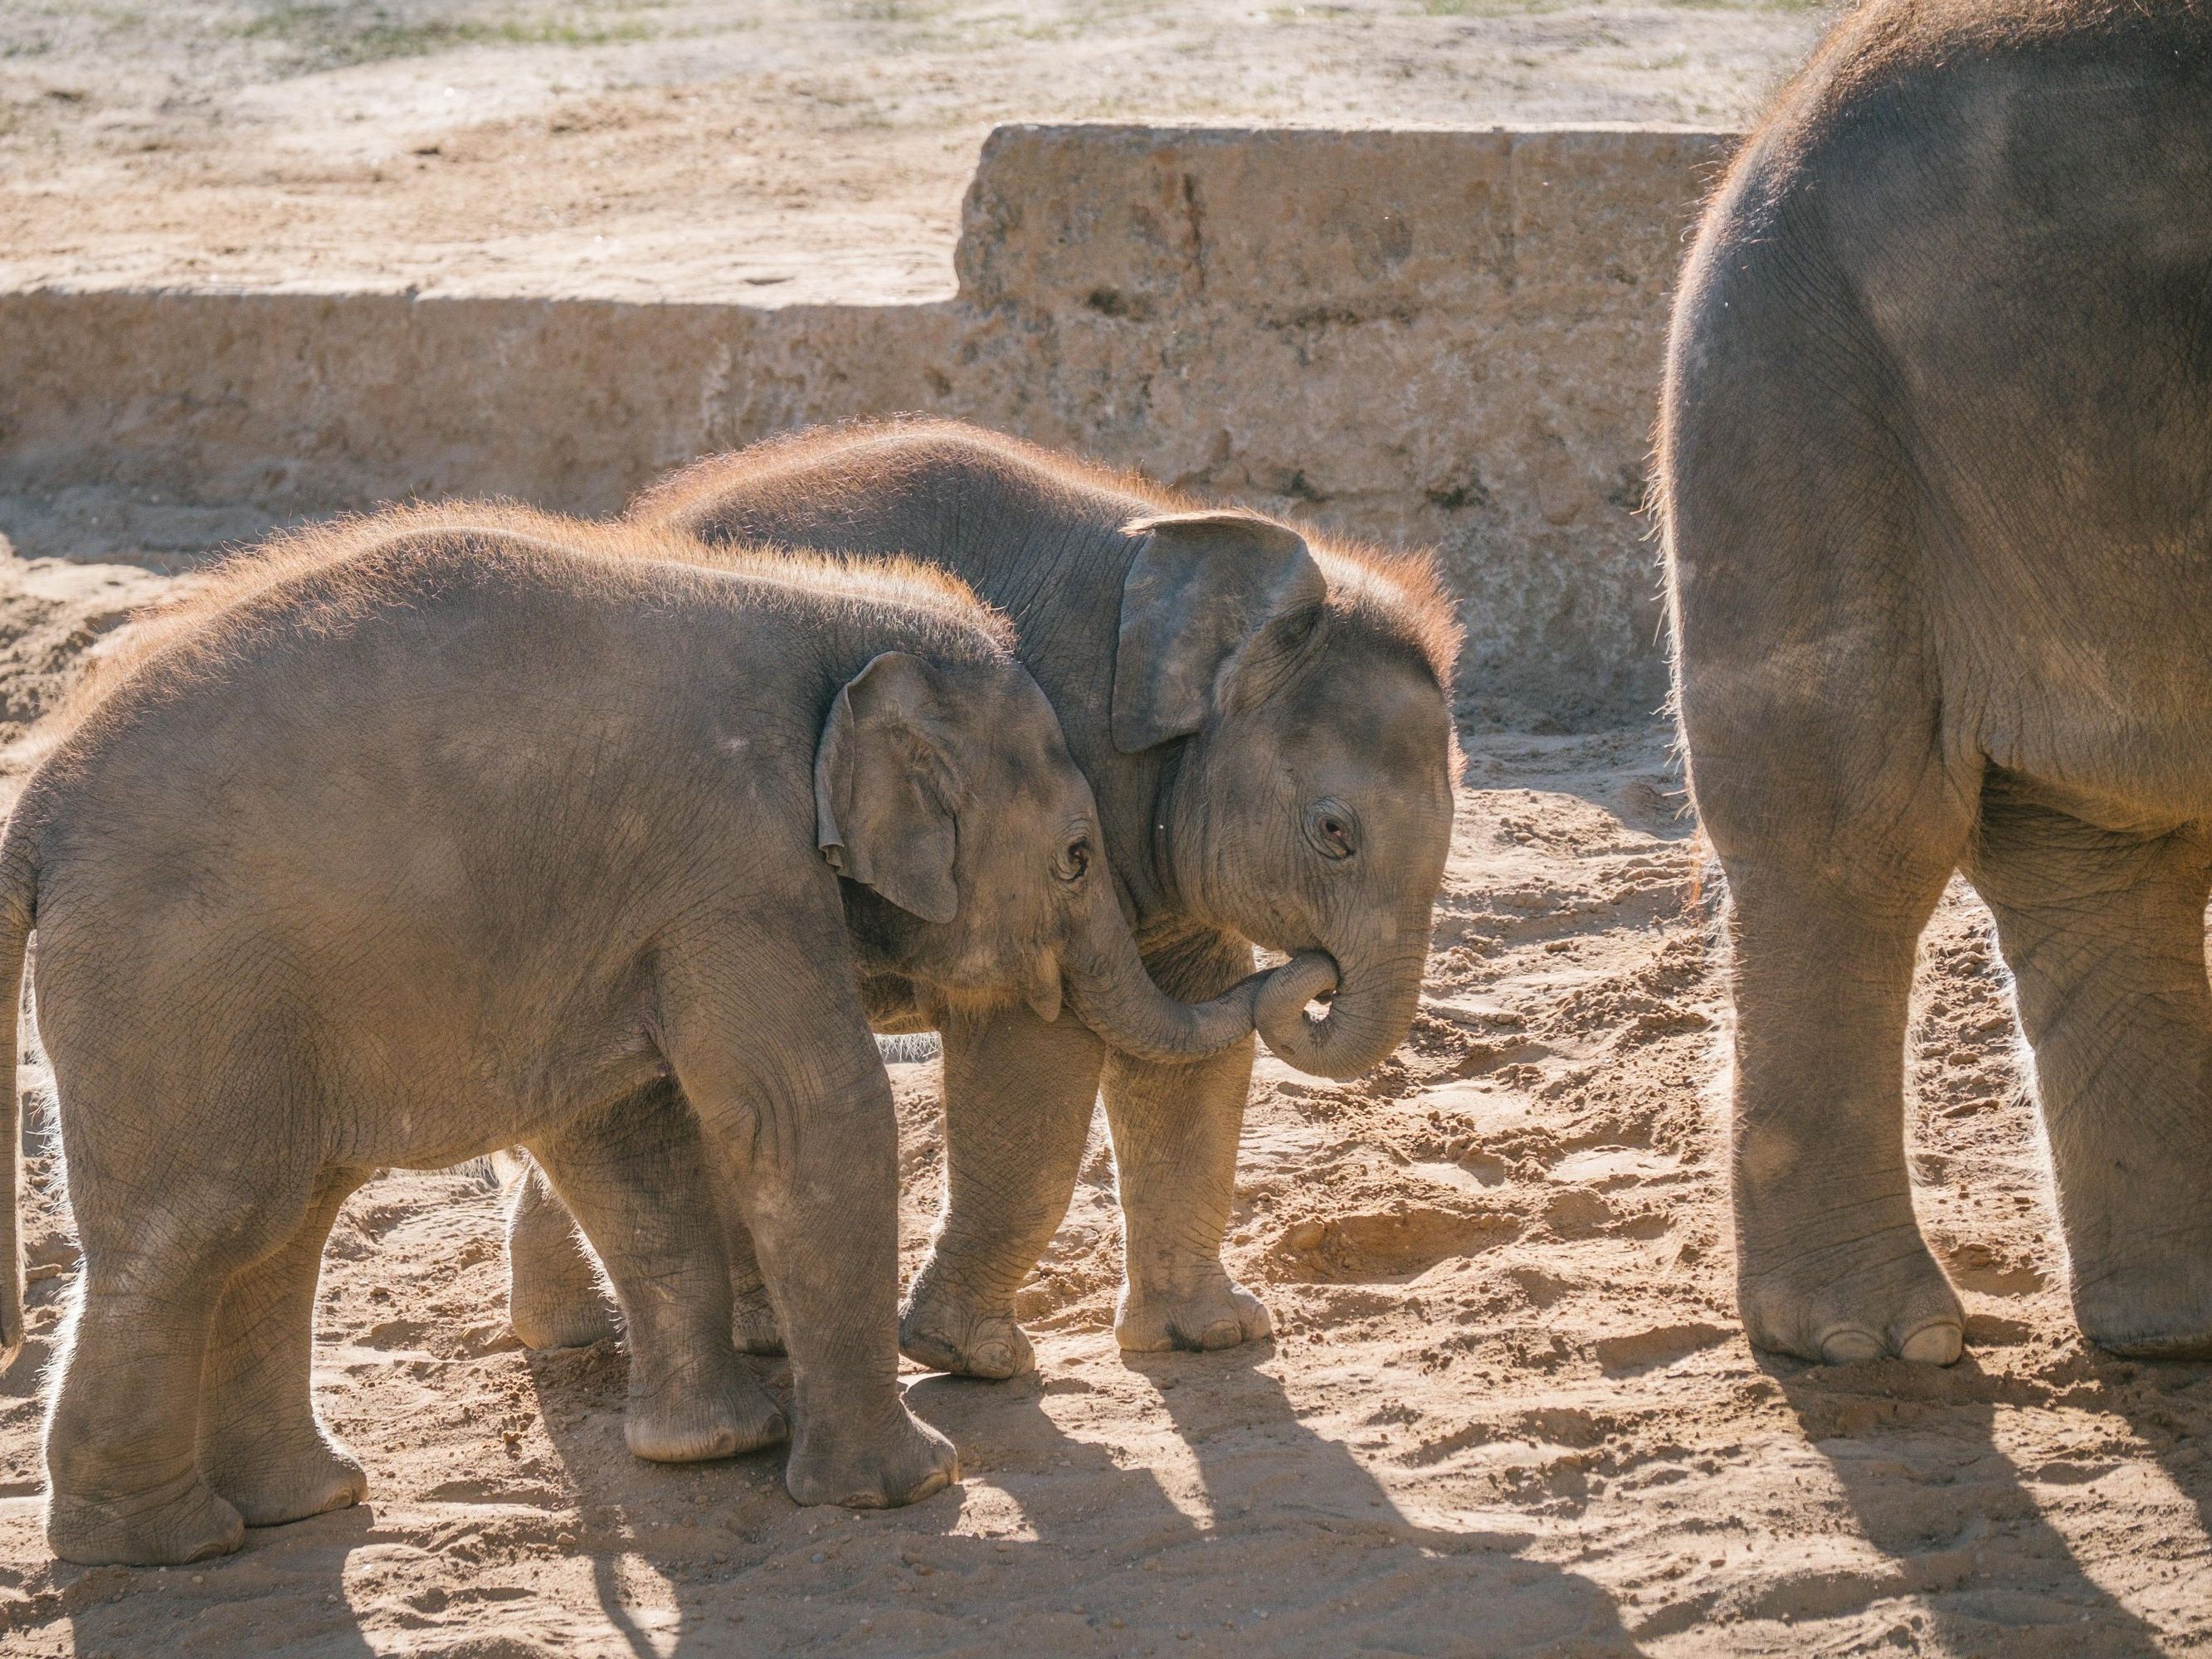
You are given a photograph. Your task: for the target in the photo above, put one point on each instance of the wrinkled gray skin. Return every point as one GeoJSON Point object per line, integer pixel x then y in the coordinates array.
{"type": "Point", "coordinates": [1272, 765]}
{"type": "Point", "coordinates": [1937, 467]}
{"type": "Point", "coordinates": [460, 841]}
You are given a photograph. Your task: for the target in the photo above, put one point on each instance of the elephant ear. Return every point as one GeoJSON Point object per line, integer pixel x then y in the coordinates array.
{"type": "Point", "coordinates": [883, 786]}
{"type": "Point", "coordinates": [1206, 587]}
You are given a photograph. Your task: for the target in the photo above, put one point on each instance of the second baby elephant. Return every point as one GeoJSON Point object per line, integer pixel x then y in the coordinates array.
{"type": "Point", "coordinates": [441, 832]}
{"type": "Point", "coordinates": [1265, 719]}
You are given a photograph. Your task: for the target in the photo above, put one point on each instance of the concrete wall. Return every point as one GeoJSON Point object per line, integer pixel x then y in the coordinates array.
{"type": "Point", "coordinates": [1450, 338]}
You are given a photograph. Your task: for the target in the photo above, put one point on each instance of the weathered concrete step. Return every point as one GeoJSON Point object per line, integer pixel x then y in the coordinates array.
{"type": "Point", "coordinates": [1440, 337]}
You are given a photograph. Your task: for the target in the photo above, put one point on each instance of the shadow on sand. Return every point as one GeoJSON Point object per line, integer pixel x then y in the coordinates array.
{"type": "Point", "coordinates": [1918, 1455]}
{"type": "Point", "coordinates": [1271, 1539]}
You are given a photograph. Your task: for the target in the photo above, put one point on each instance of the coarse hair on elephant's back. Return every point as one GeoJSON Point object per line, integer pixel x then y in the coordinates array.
{"type": "Point", "coordinates": [1884, 45]}
{"type": "Point", "coordinates": [342, 554]}
{"type": "Point", "coordinates": [881, 449]}
{"type": "Point", "coordinates": [1401, 594]}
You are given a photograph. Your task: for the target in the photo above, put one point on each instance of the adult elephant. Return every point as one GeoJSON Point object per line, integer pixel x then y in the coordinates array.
{"type": "Point", "coordinates": [1936, 461]}
{"type": "Point", "coordinates": [1265, 719]}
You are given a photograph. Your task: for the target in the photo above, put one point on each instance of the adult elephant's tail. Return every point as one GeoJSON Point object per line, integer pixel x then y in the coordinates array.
{"type": "Point", "coordinates": [19, 891]}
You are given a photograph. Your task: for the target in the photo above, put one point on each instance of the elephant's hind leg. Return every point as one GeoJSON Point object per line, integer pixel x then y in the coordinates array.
{"type": "Point", "coordinates": [2104, 936]}
{"type": "Point", "coordinates": [1831, 1264]}
{"type": "Point", "coordinates": [122, 1437]}
{"type": "Point", "coordinates": [635, 1183]}
{"type": "Point", "coordinates": [261, 1446]}
{"type": "Point", "coordinates": [1821, 784]}
{"type": "Point", "coordinates": [1833, 778]}
{"type": "Point", "coordinates": [553, 1295]}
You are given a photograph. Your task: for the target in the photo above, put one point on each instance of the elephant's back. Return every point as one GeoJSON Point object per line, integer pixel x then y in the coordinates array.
{"type": "Point", "coordinates": [1025, 528]}
{"type": "Point", "coordinates": [453, 724]}
{"type": "Point", "coordinates": [1038, 536]}
{"type": "Point", "coordinates": [1939, 379]}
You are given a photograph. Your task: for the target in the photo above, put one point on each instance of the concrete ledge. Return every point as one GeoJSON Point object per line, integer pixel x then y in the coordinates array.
{"type": "Point", "coordinates": [1450, 338]}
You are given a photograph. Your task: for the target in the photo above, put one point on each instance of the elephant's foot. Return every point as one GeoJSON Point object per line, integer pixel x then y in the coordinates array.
{"type": "Point", "coordinates": [182, 1522]}
{"type": "Point", "coordinates": [753, 1329]}
{"type": "Point", "coordinates": [1881, 1294]}
{"type": "Point", "coordinates": [2148, 1306]}
{"type": "Point", "coordinates": [558, 1316]}
{"type": "Point", "coordinates": [947, 1333]}
{"type": "Point", "coordinates": [269, 1484]}
{"type": "Point", "coordinates": [902, 1460]}
{"type": "Point", "coordinates": [696, 1425]}
{"type": "Point", "coordinates": [1217, 1312]}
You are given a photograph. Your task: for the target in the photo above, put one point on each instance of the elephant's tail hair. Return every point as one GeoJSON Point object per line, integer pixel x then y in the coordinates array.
{"type": "Point", "coordinates": [19, 891]}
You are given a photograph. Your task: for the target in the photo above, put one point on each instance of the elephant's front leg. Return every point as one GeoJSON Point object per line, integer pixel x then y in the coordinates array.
{"type": "Point", "coordinates": [554, 1298]}
{"type": "Point", "coordinates": [1019, 1094]}
{"type": "Point", "coordinates": [1175, 1130]}
{"type": "Point", "coordinates": [261, 1446]}
{"type": "Point", "coordinates": [796, 1107]}
{"type": "Point", "coordinates": [636, 1183]}
{"type": "Point", "coordinates": [753, 1327]}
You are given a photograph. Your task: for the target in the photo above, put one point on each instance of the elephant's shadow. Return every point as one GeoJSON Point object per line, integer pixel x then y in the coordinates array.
{"type": "Point", "coordinates": [1269, 1531]}
{"type": "Point", "coordinates": [1920, 1459]}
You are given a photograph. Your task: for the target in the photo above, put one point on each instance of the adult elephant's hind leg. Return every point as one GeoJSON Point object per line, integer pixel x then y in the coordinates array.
{"type": "Point", "coordinates": [1807, 548]}
{"type": "Point", "coordinates": [1019, 1094]}
{"type": "Point", "coordinates": [1821, 783]}
{"type": "Point", "coordinates": [1831, 1265]}
{"type": "Point", "coordinates": [2104, 932]}
{"type": "Point", "coordinates": [261, 1446]}
{"type": "Point", "coordinates": [554, 1297]}
{"type": "Point", "coordinates": [1176, 1131]}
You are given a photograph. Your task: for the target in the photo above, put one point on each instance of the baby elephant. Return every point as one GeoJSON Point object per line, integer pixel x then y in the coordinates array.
{"type": "Point", "coordinates": [440, 832]}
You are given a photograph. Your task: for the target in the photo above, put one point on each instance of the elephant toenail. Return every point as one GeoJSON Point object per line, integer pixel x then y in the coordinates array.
{"type": "Point", "coordinates": [1939, 1342]}
{"type": "Point", "coordinates": [1849, 1345]}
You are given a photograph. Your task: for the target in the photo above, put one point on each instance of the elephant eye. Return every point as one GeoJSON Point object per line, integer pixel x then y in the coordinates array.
{"type": "Point", "coordinates": [1074, 859]}
{"type": "Point", "coordinates": [1332, 830]}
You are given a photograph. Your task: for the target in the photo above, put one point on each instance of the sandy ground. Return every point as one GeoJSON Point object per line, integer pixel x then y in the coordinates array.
{"type": "Point", "coordinates": [774, 150]}
{"type": "Point", "coordinates": [1510, 1410]}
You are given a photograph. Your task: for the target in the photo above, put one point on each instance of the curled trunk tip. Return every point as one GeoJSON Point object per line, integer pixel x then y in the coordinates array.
{"type": "Point", "coordinates": [1369, 1017]}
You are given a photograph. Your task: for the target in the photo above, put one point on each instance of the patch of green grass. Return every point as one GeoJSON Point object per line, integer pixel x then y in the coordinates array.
{"type": "Point", "coordinates": [332, 36]}
{"type": "Point", "coordinates": [1084, 17]}
{"type": "Point", "coordinates": [1487, 8]}
{"type": "Point", "coordinates": [891, 11]}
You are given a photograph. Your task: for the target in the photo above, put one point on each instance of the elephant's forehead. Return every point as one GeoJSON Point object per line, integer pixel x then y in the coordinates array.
{"type": "Point", "coordinates": [1031, 764]}
{"type": "Point", "coordinates": [1380, 722]}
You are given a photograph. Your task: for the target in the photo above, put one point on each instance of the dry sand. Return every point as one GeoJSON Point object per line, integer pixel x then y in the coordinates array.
{"type": "Point", "coordinates": [774, 150]}
{"type": "Point", "coordinates": [1511, 1410]}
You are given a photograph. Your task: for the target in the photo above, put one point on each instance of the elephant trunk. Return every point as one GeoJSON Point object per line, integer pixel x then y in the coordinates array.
{"type": "Point", "coordinates": [1109, 989]}
{"type": "Point", "coordinates": [1367, 1019]}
